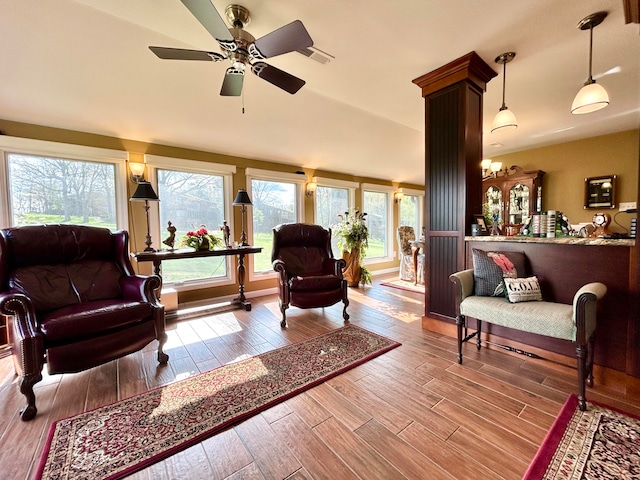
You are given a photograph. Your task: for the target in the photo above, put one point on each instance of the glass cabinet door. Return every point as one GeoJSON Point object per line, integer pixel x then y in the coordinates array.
{"type": "Point", "coordinates": [494, 204]}
{"type": "Point", "coordinates": [518, 204]}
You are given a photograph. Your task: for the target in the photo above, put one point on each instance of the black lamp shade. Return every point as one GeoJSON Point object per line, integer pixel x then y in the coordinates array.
{"type": "Point", "coordinates": [242, 198]}
{"type": "Point", "coordinates": [144, 192]}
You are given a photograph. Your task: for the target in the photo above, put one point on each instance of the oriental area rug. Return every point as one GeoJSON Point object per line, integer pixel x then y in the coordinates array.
{"type": "Point", "coordinates": [599, 443]}
{"type": "Point", "coordinates": [116, 440]}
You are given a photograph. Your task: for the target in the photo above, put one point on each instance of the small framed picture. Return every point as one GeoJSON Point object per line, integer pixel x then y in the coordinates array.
{"type": "Point", "coordinates": [483, 225]}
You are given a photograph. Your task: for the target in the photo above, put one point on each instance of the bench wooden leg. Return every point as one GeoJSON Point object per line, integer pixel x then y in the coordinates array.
{"type": "Point", "coordinates": [590, 346]}
{"type": "Point", "coordinates": [478, 339]}
{"type": "Point", "coordinates": [581, 353]}
{"type": "Point", "coordinates": [460, 322]}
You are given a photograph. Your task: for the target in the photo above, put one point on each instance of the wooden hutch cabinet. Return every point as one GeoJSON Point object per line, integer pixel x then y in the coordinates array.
{"type": "Point", "coordinates": [512, 194]}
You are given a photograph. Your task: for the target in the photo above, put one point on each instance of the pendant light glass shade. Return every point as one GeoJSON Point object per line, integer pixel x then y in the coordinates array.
{"type": "Point", "coordinates": [590, 98]}
{"type": "Point", "coordinates": [504, 121]}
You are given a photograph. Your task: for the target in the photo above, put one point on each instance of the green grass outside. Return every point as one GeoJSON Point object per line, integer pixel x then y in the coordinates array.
{"type": "Point", "coordinates": [40, 218]}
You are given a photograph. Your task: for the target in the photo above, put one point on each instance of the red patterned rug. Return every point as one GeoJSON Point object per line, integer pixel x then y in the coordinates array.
{"type": "Point", "coordinates": [599, 443]}
{"type": "Point", "coordinates": [116, 440]}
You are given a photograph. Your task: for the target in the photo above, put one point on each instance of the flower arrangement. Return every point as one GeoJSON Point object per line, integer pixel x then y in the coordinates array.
{"type": "Point", "coordinates": [353, 239]}
{"type": "Point", "coordinates": [200, 239]}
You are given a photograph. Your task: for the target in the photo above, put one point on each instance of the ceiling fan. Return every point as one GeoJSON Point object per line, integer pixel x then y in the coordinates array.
{"type": "Point", "coordinates": [241, 48]}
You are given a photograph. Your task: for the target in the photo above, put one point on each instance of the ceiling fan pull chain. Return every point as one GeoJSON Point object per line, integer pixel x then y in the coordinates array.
{"type": "Point", "coordinates": [242, 101]}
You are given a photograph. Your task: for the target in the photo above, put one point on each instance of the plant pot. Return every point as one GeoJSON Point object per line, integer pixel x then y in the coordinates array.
{"type": "Point", "coordinates": [204, 245]}
{"type": "Point", "coordinates": [352, 271]}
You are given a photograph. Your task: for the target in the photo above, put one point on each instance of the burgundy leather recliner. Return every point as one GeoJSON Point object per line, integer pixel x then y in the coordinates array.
{"type": "Point", "coordinates": [74, 301]}
{"type": "Point", "coordinates": [308, 275]}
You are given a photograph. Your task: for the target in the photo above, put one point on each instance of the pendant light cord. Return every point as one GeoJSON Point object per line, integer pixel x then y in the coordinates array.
{"type": "Point", "coordinates": [590, 79]}
{"type": "Point", "coordinates": [504, 83]}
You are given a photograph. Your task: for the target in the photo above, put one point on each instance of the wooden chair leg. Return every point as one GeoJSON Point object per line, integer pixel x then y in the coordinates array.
{"type": "Point", "coordinates": [478, 339]}
{"type": "Point", "coordinates": [590, 346]}
{"type": "Point", "coordinates": [26, 388]}
{"type": "Point", "coordinates": [460, 322]}
{"type": "Point", "coordinates": [581, 353]}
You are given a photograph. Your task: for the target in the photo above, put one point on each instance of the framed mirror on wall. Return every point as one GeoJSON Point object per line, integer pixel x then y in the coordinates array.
{"type": "Point", "coordinates": [600, 192]}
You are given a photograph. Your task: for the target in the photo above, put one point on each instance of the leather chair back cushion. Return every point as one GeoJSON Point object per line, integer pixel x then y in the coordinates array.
{"type": "Point", "coordinates": [307, 260]}
{"type": "Point", "coordinates": [54, 244]}
{"type": "Point", "coordinates": [75, 322]}
{"type": "Point", "coordinates": [56, 286]}
{"type": "Point", "coordinates": [314, 282]}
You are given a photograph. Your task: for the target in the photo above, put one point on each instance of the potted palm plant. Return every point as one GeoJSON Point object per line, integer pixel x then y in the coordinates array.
{"type": "Point", "coordinates": [352, 234]}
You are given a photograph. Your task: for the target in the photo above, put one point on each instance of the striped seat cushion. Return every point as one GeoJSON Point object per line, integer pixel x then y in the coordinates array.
{"type": "Point", "coordinates": [543, 318]}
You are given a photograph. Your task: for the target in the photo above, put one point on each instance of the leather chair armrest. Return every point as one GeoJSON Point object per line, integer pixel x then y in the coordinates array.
{"type": "Point", "coordinates": [584, 309]}
{"type": "Point", "coordinates": [334, 266]}
{"type": "Point", "coordinates": [26, 340]}
{"type": "Point", "coordinates": [283, 287]}
{"type": "Point", "coordinates": [142, 288]}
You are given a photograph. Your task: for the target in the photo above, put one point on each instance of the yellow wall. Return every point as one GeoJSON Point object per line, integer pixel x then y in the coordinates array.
{"type": "Point", "coordinates": [568, 164]}
{"type": "Point", "coordinates": [137, 219]}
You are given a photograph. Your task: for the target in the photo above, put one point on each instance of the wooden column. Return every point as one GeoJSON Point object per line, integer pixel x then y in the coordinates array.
{"type": "Point", "coordinates": [453, 175]}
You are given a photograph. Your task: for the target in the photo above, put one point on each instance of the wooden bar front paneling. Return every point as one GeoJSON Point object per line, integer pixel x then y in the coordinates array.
{"type": "Point", "coordinates": [562, 269]}
{"type": "Point", "coordinates": [453, 151]}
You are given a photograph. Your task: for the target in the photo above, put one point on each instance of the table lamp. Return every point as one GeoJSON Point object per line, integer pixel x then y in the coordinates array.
{"type": "Point", "coordinates": [145, 192]}
{"type": "Point", "coordinates": [242, 199]}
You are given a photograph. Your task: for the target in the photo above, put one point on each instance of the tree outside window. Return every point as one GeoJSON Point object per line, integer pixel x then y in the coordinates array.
{"type": "Point", "coordinates": [375, 204]}
{"type": "Point", "coordinates": [56, 190]}
{"type": "Point", "coordinates": [274, 202]}
{"type": "Point", "coordinates": [189, 200]}
{"type": "Point", "coordinates": [331, 201]}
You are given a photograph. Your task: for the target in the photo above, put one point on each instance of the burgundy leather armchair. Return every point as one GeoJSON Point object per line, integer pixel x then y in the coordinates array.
{"type": "Point", "coordinates": [73, 301]}
{"type": "Point", "coordinates": [308, 275]}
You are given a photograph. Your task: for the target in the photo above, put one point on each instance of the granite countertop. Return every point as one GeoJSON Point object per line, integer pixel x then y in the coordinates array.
{"type": "Point", "coordinates": [618, 242]}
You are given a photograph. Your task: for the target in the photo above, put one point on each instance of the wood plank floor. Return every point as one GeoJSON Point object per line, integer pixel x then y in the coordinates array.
{"type": "Point", "coordinates": [412, 413]}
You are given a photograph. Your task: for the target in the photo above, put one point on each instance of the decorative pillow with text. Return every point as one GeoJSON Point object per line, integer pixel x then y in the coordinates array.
{"type": "Point", "coordinates": [522, 289]}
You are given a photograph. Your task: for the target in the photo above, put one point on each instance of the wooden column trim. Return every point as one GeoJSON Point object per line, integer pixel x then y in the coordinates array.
{"type": "Point", "coordinates": [468, 67]}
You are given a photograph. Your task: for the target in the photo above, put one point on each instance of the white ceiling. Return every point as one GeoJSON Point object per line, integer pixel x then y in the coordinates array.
{"type": "Point", "coordinates": [84, 65]}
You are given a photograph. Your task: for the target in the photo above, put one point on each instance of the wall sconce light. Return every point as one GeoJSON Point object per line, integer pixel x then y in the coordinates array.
{"type": "Point", "coordinates": [504, 120]}
{"type": "Point", "coordinates": [137, 172]}
{"type": "Point", "coordinates": [242, 199]}
{"type": "Point", "coordinates": [398, 196]}
{"type": "Point", "coordinates": [490, 168]}
{"type": "Point", "coordinates": [591, 96]}
{"type": "Point", "coordinates": [145, 192]}
{"type": "Point", "coordinates": [311, 187]}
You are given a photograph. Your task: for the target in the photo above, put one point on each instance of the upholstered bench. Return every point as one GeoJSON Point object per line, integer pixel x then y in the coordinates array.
{"type": "Point", "coordinates": [576, 322]}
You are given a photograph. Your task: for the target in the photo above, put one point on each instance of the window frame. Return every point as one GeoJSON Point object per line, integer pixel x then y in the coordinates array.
{"type": "Point", "coordinates": [273, 176]}
{"type": "Point", "coordinates": [155, 162]}
{"type": "Point", "coordinates": [65, 151]}
{"type": "Point", "coordinates": [389, 190]}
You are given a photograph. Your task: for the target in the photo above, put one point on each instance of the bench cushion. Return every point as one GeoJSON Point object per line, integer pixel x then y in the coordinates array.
{"type": "Point", "coordinates": [543, 318]}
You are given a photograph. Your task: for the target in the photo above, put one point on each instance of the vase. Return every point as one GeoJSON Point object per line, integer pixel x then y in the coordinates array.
{"type": "Point", "coordinates": [204, 244]}
{"type": "Point", "coordinates": [352, 271]}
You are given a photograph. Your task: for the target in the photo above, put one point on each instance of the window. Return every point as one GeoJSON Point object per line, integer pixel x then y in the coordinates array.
{"type": "Point", "coordinates": [411, 211]}
{"type": "Point", "coordinates": [192, 194]}
{"type": "Point", "coordinates": [48, 182]}
{"type": "Point", "coordinates": [276, 199]}
{"type": "Point", "coordinates": [377, 204]}
{"type": "Point", "coordinates": [333, 197]}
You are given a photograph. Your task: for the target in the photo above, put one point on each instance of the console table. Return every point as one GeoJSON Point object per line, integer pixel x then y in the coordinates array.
{"type": "Point", "coordinates": [158, 257]}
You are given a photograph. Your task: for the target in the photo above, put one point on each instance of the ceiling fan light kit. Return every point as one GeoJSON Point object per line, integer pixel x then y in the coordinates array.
{"type": "Point", "coordinates": [591, 97]}
{"type": "Point", "coordinates": [241, 48]}
{"type": "Point", "coordinates": [504, 120]}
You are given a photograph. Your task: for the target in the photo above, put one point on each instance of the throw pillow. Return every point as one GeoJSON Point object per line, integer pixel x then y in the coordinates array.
{"type": "Point", "coordinates": [489, 268]}
{"type": "Point", "coordinates": [522, 289]}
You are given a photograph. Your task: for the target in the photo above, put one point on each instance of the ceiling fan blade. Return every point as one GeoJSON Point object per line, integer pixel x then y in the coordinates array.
{"type": "Point", "coordinates": [183, 54]}
{"type": "Point", "coordinates": [232, 84]}
{"type": "Point", "coordinates": [277, 77]}
{"type": "Point", "coordinates": [292, 36]}
{"type": "Point", "coordinates": [208, 16]}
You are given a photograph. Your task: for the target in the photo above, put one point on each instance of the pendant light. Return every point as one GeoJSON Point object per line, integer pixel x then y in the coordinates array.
{"type": "Point", "coordinates": [504, 120]}
{"type": "Point", "coordinates": [592, 96]}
